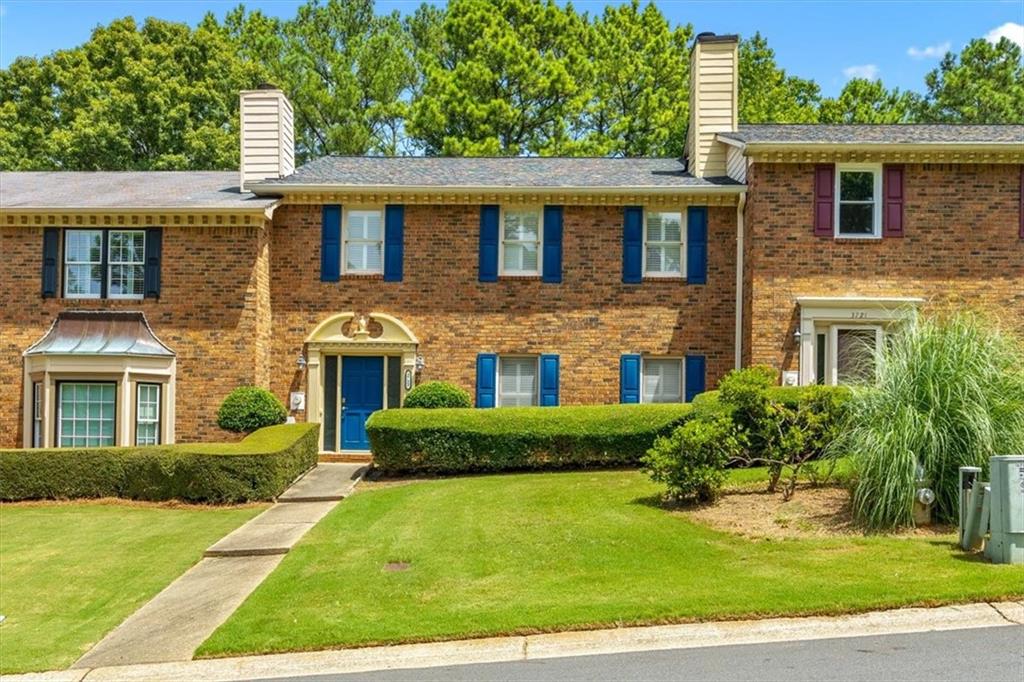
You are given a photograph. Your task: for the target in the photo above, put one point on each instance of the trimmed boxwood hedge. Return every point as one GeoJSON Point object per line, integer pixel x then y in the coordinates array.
{"type": "Point", "coordinates": [790, 396]}
{"type": "Point", "coordinates": [515, 438]}
{"type": "Point", "coordinates": [259, 467]}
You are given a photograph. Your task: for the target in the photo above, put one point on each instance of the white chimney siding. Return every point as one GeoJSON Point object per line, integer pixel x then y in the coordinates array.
{"type": "Point", "coordinates": [714, 78]}
{"type": "Point", "coordinates": [267, 136]}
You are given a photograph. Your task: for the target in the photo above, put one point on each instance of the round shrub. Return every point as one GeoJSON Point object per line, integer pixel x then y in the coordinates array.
{"type": "Point", "coordinates": [437, 394]}
{"type": "Point", "coordinates": [248, 408]}
{"type": "Point", "coordinates": [691, 462]}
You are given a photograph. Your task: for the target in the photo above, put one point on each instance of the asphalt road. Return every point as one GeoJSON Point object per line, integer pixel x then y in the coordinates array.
{"type": "Point", "coordinates": [984, 654]}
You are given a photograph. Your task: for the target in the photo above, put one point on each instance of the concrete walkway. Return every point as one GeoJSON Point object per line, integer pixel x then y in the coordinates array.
{"type": "Point", "coordinates": [552, 645]}
{"type": "Point", "coordinates": [175, 622]}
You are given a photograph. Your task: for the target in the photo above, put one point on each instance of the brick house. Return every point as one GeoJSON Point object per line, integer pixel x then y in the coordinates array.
{"type": "Point", "coordinates": [132, 303]}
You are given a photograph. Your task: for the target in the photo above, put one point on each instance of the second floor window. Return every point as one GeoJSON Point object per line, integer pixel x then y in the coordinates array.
{"type": "Point", "coordinates": [858, 205]}
{"type": "Point", "coordinates": [663, 244]}
{"type": "Point", "coordinates": [521, 232]}
{"type": "Point", "coordinates": [87, 273]}
{"type": "Point", "coordinates": [364, 241]}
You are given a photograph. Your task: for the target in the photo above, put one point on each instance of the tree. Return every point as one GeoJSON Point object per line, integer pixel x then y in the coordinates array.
{"type": "Point", "coordinates": [508, 77]}
{"type": "Point", "coordinates": [986, 85]}
{"type": "Point", "coordinates": [767, 94]}
{"type": "Point", "coordinates": [641, 72]}
{"type": "Point", "coordinates": [866, 101]}
{"type": "Point", "coordinates": [163, 96]}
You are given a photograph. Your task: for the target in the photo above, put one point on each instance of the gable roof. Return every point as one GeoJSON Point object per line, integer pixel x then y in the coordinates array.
{"type": "Point", "coordinates": [495, 173]}
{"type": "Point", "coordinates": [924, 134]}
{"type": "Point", "coordinates": [126, 190]}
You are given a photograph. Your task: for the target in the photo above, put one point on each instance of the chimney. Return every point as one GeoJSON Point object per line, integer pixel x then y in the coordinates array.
{"type": "Point", "coordinates": [267, 135]}
{"type": "Point", "coordinates": [714, 80]}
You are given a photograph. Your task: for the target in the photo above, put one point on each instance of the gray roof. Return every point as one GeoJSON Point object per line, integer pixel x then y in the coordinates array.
{"type": "Point", "coordinates": [497, 173]}
{"type": "Point", "coordinates": [878, 134]}
{"type": "Point", "coordinates": [143, 190]}
{"type": "Point", "coordinates": [85, 332]}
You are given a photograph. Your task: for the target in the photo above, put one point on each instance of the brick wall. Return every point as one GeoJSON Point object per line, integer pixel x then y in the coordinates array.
{"type": "Point", "coordinates": [215, 283]}
{"type": "Point", "coordinates": [590, 319]}
{"type": "Point", "coordinates": [961, 248]}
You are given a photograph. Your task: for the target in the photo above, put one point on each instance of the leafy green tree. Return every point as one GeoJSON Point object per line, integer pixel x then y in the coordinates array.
{"type": "Point", "coordinates": [641, 71]}
{"type": "Point", "coordinates": [163, 96]}
{"type": "Point", "coordinates": [985, 85]}
{"type": "Point", "coordinates": [508, 77]}
{"type": "Point", "coordinates": [767, 94]}
{"type": "Point", "coordinates": [866, 101]}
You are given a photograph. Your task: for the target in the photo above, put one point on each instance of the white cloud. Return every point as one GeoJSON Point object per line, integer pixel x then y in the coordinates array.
{"type": "Point", "coordinates": [869, 71]}
{"type": "Point", "coordinates": [1011, 30]}
{"type": "Point", "coordinates": [930, 51]}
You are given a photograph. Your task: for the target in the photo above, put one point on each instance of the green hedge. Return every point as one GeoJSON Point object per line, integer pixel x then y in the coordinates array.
{"type": "Point", "coordinates": [511, 438]}
{"type": "Point", "coordinates": [790, 396]}
{"type": "Point", "coordinates": [259, 467]}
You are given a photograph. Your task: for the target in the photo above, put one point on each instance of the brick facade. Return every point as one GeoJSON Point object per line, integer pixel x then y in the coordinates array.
{"type": "Point", "coordinates": [960, 247]}
{"type": "Point", "coordinates": [590, 319]}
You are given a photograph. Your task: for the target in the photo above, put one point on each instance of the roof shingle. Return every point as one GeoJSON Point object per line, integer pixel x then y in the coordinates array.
{"type": "Point", "coordinates": [877, 134]}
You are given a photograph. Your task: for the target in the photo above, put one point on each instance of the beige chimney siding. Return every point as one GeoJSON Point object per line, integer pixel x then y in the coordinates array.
{"type": "Point", "coordinates": [714, 75]}
{"type": "Point", "coordinates": [267, 136]}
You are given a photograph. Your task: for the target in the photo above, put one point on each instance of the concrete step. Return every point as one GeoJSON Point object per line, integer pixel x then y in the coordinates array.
{"type": "Point", "coordinates": [326, 482]}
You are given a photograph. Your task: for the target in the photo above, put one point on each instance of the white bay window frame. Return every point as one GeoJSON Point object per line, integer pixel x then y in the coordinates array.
{"type": "Point", "coordinates": [665, 244]}
{"type": "Point", "coordinates": [538, 212]}
{"type": "Point", "coordinates": [876, 214]}
{"type": "Point", "coordinates": [347, 239]}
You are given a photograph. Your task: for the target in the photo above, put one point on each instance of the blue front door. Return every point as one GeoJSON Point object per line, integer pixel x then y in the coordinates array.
{"type": "Point", "coordinates": [362, 394]}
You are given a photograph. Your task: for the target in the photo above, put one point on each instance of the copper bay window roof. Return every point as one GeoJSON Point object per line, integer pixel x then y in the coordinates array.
{"type": "Point", "coordinates": [81, 332]}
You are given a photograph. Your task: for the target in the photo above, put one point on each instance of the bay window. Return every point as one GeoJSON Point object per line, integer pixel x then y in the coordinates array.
{"type": "Point", "coordinates": [85, 414]}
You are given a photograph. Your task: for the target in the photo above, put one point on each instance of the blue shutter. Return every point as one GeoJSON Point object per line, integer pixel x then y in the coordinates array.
{"type": "Point", "coordinates": [633, 245]}
{"type": "Point", "coordinates": [552, 244]}
{"type": "Point", "coordinates": [394, 226]}
{"type": "Point", "coordinates": [548, 380]}
{"type": "Point", "coordinates": [694, 376]}
{"type": "Point", "coordinates": [51, 245]}
{"type": "Point", "coordinates": [151, 270]}
{"type": "Point", "coordinates": [330, 243]}
{"type": "Point", "coordinates": [697, 245]}
{"type": "Point", "coordinates": [489, 243]}
{"type": "Point", "coordinates": [486, 379]}
{"type": "Point", "coordinates": [629, 379]}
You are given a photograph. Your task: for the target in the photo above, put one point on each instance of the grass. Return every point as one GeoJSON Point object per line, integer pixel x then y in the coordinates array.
{"type": "Point", "coordinates": [71, 572]}
{"type": "Point", "coordinates": [534, 552]}
{"type": "Point", "coordinates": [842, 473]}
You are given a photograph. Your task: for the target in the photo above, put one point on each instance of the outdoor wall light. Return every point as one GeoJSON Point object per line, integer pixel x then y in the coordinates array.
{"type": "Point", "coordinates": [301, 362]}
{"type": "Point", "coordinates": [796, 336]}
{"type": "Point", "coordinates": [420, 363]}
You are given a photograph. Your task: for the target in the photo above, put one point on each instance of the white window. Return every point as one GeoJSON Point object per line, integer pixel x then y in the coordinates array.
{"type": "Point", "coordinates": [517, 381]}
{"type": "Point", "coordinates": [664, 255]}
{"type": "Point", "coordinates": [364, 241]}
{"type": "Point", "coordinates": [662, 380]}
{"type": "Point", "coordinates": [85, 414]}
{"type": "Point", "coordinates": [845, 354]}
{"type": "Point", "coordinates": [37, 415]}
{"type": "Point", "coordinates": [521, 234]}
{"type": "Point", "coordinates": [83, 263]}
{"type": "Point", "coordinates": [147, 414]}
{"type": "Point", "coordinates": [125, 261]}
{"type": "Point", "coordinates": [858, 201]}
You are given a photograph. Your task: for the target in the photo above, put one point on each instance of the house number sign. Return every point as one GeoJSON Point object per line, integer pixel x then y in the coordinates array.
{"type": "Point", "coordinates": [408, 379]}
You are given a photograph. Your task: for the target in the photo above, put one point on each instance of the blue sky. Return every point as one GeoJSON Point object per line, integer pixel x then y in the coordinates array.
{"type": "Point", "coordinates": [828, 41]}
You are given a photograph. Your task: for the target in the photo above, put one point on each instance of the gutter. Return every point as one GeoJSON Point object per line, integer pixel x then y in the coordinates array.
{"type": "Point", "coordinates": [279, 189]}
{"type": "Point", "coordinates": [740, 210]}
{"type": "Point", "coordinates": [757, 147]}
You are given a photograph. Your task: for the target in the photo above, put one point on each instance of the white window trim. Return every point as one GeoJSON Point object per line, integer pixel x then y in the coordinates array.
{"type": "Point", "coordinates": [502, 272]}
{"type": "Point", "coordinates": [345, 240]}
{"type": "Point", "coordinates": [682, 375]}
{"type": "Point", "coordinates": [138, 411]}
{"type": "Point", "coordinates": [832, 357]}
{"type": "Point", "coordinates": [111, 264]}
{"type": "Point", "coordinates": [682, 245]}
{"type": "Point", "coordinates": [497, 377]}
{"type": "Point", "coordinates": [60, 412]}
{"type": "Point", "coordinates": [65, 262]}
{"type": "Point", "coordinates": [37, 414]}
{"type": "Point", "coordinates": [876, 169]}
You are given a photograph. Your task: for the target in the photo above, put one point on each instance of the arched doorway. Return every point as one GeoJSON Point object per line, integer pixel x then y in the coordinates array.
{"type": "Point", "coordinates": [357, 364]}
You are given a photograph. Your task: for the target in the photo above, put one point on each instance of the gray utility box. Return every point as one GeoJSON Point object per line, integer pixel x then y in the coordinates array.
{"type": "Point", "coordinates": [1006, 543]}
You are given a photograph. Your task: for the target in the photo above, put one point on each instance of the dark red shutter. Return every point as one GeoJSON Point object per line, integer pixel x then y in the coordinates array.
{"type": "Point", "coordinates": [892, 201]}
{"type": "Point", "coordinates": [1022, 202]}
{"type": "Point", "coordinates": [824, 199]}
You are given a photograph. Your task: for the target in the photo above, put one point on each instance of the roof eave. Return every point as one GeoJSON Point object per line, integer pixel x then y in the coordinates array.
{"type": "Point", "coordinates": [758, 147]}
{"type": "Point", "coordinates": [282, 189]}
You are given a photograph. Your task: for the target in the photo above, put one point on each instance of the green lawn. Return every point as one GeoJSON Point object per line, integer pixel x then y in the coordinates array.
{"type": "Point", "coordinates": [529, 552]}
{"type": "Point", "coordinates": [69, 573]}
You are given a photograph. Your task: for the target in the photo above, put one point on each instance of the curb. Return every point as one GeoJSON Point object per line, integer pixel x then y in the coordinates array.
{"type": "Point", "coordinates": [552, 645]}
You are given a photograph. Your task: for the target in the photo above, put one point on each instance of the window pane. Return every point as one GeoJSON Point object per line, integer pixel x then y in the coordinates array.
{"type": "Point", "coordinates": [87, 414]}
{"type": "Point", "coordinates": [855, 355]}
{"type": "Point", "coordinates": [856, 185]}
{"type": "Point", "coordinates": [664, 227]}
{"type": "Point", "coordinates": [517, 381]}
{"type": "Point", "coordinates": [856, 218]}
{"type": "Point", "coordinates": [513, 257]}
{"type": "Point", "coordinates": [522, 226]}
{"type": "Point", "coordinates": [663, 381]}
{"type": "Point", "coordinates": [126, 280]}
{"type": "Point", "coordinates": [83, 246]}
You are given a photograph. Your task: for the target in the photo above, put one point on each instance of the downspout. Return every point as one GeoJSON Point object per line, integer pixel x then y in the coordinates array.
{"type": "Point", "coordinates": [740, 206]}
